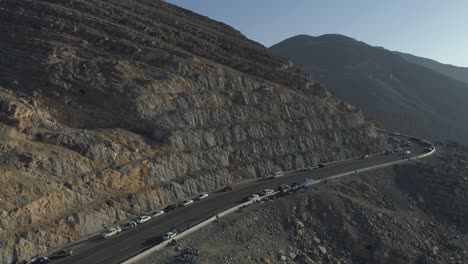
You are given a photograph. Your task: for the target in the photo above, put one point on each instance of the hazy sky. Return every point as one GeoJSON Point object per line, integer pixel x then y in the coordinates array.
{"type": "Point", "coordinates": [434, 29]}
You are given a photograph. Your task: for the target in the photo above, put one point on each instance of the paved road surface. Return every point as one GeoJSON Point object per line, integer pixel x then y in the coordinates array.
{"type": "Point", "coordinates": [130, 243]}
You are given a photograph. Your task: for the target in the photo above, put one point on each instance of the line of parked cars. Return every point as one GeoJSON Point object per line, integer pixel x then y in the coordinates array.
{"type": "Point", "coordinates": [145, 218]}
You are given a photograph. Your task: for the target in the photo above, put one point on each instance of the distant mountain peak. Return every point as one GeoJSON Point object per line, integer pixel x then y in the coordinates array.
{"type": "Point", "coordinates": [405, 93]}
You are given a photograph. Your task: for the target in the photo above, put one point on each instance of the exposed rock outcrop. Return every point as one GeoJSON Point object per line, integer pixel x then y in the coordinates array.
{"type": "Point", "coordinates": [113, 108]}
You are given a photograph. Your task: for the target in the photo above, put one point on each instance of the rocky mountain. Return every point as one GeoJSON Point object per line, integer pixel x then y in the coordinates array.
{"type": "Point", "coordinates": [401, 95]}
{"type": "Point", "coordinates": [454, 72]}
{"type": "Point", "coordinates": [113, 108]}
{"type": "Point", "coordinates": [411, 213]}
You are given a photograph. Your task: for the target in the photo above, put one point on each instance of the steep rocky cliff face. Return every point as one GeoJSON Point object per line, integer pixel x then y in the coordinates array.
{"type": "Point", "coordinates": [113, 108]}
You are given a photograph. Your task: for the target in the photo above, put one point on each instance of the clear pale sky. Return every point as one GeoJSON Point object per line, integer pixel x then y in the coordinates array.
{"type": "Point", "coordinates": [435, 29]}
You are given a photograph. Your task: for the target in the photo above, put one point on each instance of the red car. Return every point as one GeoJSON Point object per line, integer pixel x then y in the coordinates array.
{"type": "Point", "coordinates": [229, 188]}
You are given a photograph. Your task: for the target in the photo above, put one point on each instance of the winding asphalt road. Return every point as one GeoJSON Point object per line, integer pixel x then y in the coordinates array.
{"type": "Point", "coordinates": [130, 243]}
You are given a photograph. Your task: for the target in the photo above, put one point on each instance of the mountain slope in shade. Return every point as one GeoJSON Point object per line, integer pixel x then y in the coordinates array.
{"type": "Point", "coordinates": [457, 73]}
{"type": "Point", "coordinates": [401, 95]}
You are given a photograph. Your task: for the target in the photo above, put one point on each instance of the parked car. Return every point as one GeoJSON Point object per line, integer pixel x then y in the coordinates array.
{"type": "Point", "coordinates": [407, 152]}
{"type": "Point", "coordinates": [129, 225]}
{"type": "Point", "coordinates": [169, 208]}
{"type": "Point", "coordinates": [253, 197]}
{"type": "Point", "coordinates": [397, 149]}
{"type": "Point", "coordinates": [321, 165]}
{"type": "Point", "coordinates": [170, 235]}
{"type": "Point", "coordinates": [61, 254]}
{"type": "Point", "coordinates": [39, 260]}
{"type": "Point", "coordinates": [296, 186]}
{"type": "Point", "coordinates": [229, 188]}
{"type": "Point", "coordinates": [365, 156]}
{"type": "Point", "coordinates": [284, 188]}
{"type": "Point", "coordinates": [143, 219]}
{"type": "Point", "coordinates": [308, 180]}
{"type": "Point", "coordinates": [187, 202]}
{"type": "Point", "coordinates": [111, 232]}
{"type": "Point", "coordinates": [157, 213]}
{"type": "Point", "coordinates": [309, 168]}
{"type": "Point", "coordinates": [268, 191]}
{"type": "Point", "coordinates": [409, 143]}
{"type": "Point", "coordinates": [202, 196]}
{"type": "Point", "coordinates": [278, 174]}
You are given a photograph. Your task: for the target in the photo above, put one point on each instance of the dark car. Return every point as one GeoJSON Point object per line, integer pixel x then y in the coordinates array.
{"type": "Point", "coordinates": [284, 188]}
{"type": "Point", "coordinates": [169, 208]}
{"type": "Point", "coordinates": [321, 165]}
{"type": "Point", "coordinates": [61, 254]}
{"type": "Point", "coordinates": [229, 188]}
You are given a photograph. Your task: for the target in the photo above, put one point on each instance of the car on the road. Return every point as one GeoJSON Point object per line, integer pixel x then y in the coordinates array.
{"type": "Point", "coordinates": [187, 202]}
{"type": "Point", "coordinates": [309, 168]}
{"type": "Point", "coordinates": [321, 165]}
{"type": "Point", "coordinates": [308, 180]}
{"type": "Point", "coordinates": [409, 143]}
{"type": "Point", "coordinates": [407, 152]}
{"type": "Point", "coordinates": [129, 225]}
{"type": "Point", "coordinates": [284, 188]}
{"type": "Point", "coordinates": [365, 156]}
{"type": "Point", "coordinates": [229, 188]}
{"type": "Point", "coordinates": [170, 235]}
{"type": "Point", "coordinates": [61, 254]}
{"type": "Point", "coordinates": [268, 191]}
{"type": "Point", "coordinates": [299, 186]}
{"type": "Point", "coordinates": [157, 213]}
{"type": "Point", "coordinates": [39, 260]}
{"type": "Point", "coordinates": [111, 232]}
{"type": "Point", "coordinates": [202, 196]}
{"type": "Point", "coordinates": [170, 207]}
{"type": "Point", "coordinates": [278, 174]}
{"type": "Point", "coordinates": [143, 219]}
{"type": "Point", "coordinates": [398, 149]}
{"type": "Point", "coordinates": [253, 197]}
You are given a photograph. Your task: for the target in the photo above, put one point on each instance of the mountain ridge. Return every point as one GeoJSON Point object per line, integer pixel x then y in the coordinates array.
{"type": "Point", "coordinates": [401, 95]}
{"type": "Point", "coordinates": [452, 71]}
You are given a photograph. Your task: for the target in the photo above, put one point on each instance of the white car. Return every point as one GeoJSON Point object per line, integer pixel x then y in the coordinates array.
{"type": "Point", "coordinates": [202, 196]}
{"type": "Point", "coordinates": [365, 156]}
{"type": "Point", "coordinates": [253, 197]}
{"type": "Point", "coordinates": [157, 213]}
{"type": "Point", "coordinates": [278, 174]}
{"type": "Point", "coordinates": [308, 180]}
{"type": "Point", "coordinates": [268, 191]}
{"type": "Point", "coordinates": [187, 202]}
{"type": "Point", "coordinates": [407, 152]}
{"type": "Point", "coordinates": [170, 235]}
{"type": "Point", "coordinates": [143, 219]}
{"type": "Point", "coordinates": [308, 168]}
{"type": "Point", "coordinates": [111, 232]}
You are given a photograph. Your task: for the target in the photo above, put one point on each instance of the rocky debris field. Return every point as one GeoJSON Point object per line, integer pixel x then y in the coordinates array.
{"type": "Point", "coordinates": [109, 109]}
{"type": "Point", "coordinates": [412, 213]}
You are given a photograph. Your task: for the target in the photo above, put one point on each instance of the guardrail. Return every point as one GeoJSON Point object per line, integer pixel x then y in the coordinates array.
{"type": "Point", "coordinates": [185, 233]}
{"type": "Point", "coordinates": [237, 207]}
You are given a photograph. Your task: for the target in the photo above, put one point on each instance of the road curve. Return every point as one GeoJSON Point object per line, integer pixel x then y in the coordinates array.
{"type": "Point", "coordinates": [130, 243]}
